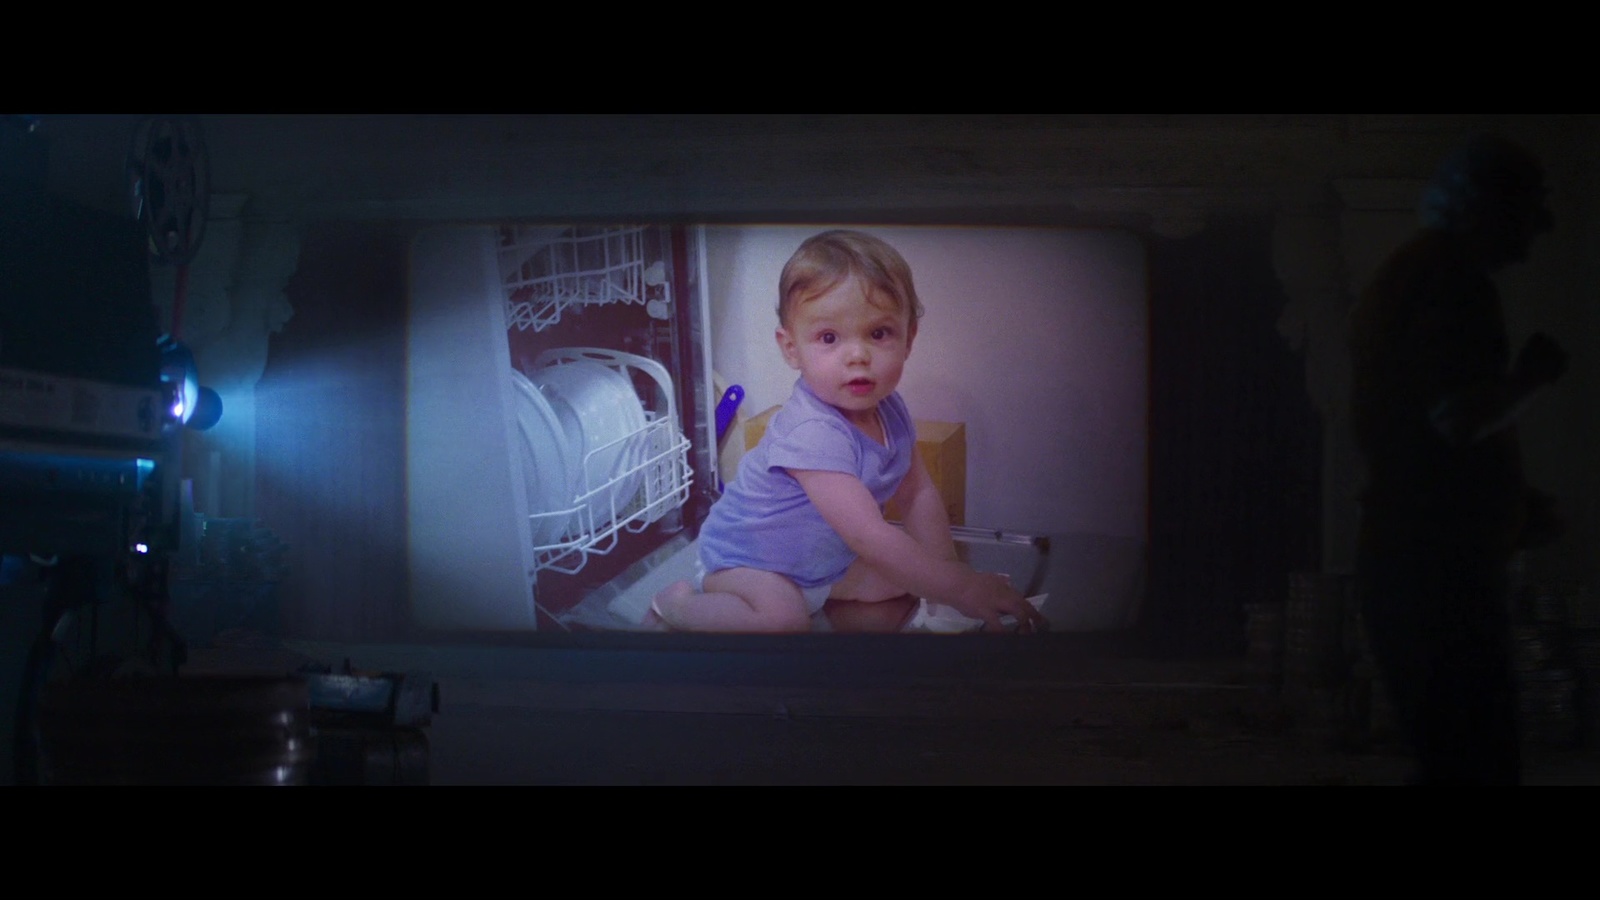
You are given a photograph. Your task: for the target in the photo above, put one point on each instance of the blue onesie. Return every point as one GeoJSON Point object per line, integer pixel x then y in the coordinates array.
{"type": "Point", "coordinates": [764, 519]}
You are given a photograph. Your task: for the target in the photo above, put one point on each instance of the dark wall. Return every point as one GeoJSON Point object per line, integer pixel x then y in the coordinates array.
{"type": "Point", "coordinates": [61, 262]}
{"type": "Point", "coordinates": [1235, 445]}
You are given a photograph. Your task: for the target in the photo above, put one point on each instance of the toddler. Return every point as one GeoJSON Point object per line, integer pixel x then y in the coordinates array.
{"type": "Point", "coordinates": [802, 522]}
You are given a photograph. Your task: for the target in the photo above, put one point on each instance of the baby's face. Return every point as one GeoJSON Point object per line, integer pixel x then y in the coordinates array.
{"type": "Point", "coordinates": [849, 351]}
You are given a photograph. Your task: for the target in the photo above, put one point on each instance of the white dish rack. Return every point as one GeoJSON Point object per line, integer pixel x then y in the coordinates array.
{"type": "Point", "coordinates": [659, 473]}
{"type": "Point", "coordinates": [545, 270]}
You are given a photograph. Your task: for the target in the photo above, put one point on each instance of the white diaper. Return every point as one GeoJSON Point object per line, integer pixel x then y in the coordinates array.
{"type": "Point", "coordinates": [815, 597]}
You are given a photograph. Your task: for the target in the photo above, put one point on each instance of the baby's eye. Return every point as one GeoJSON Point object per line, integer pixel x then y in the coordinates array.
{"type": "Point", "coordinates": [881, 333]}
{"type": "Point", "coordinates": [827, 337]}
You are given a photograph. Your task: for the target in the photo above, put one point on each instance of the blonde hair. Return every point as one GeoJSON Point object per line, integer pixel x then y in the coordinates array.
{"type": "Point", "coordinates": [823, 260]}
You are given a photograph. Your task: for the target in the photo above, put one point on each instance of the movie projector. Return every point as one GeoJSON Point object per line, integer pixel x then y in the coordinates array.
{"type": "Point", "coordinates": [94, 396]}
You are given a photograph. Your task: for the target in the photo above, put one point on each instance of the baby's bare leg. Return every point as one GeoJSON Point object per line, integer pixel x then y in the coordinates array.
{"type": "Point", "coordinates": [652, 620]}
{"type": "Point", "coordinates": [862, 582]}
{"type": "Point", "coordinates": [735, 600]}
{"type": "Point", "coordinates": [866, 600]}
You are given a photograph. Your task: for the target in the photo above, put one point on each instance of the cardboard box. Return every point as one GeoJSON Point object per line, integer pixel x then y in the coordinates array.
{"type": "Point", "coordinates": [942, 446]}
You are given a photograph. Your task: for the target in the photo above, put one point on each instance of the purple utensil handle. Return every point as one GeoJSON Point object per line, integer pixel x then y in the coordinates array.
{"type": "Point", "coordinates": [726, 408]}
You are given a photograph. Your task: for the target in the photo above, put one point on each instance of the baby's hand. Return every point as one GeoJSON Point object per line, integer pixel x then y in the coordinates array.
{"type": "Point", "coordinates": [988, 596]}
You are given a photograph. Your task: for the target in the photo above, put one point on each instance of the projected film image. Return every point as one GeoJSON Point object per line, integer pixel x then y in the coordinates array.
{"type": "Point", "coordinates": [623, 376]}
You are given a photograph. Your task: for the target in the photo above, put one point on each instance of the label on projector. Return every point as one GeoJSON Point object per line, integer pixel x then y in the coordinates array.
{"type": "Point", "coordinates": [42, 402]}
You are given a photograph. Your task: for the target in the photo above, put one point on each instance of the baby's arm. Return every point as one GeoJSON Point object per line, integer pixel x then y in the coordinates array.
{"type": "Point", "coordinates": [922, 511]}
{"type": "Point", "coordinates": [848, 507]}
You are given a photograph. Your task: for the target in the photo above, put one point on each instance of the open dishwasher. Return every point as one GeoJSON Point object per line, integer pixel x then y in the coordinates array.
{"type": "Point", "coordinates": [558, 426]}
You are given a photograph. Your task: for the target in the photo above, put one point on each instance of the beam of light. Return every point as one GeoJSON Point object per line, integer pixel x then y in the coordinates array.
{"type": "Point", "coordinates": [329, 458]}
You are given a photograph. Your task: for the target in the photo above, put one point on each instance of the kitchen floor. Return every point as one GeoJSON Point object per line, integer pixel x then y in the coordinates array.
{"type": "Point", "coordinates": [620, 602]}
{"type": "Point", "coordinates": [1059, 709]}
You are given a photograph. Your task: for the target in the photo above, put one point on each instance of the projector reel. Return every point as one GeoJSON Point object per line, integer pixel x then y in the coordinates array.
{"type": "Point", "coordinates": [169, 173]}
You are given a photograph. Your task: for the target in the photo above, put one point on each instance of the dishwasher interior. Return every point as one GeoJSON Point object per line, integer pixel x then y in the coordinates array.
{"type": "Point", "coordinates": [557, 415]}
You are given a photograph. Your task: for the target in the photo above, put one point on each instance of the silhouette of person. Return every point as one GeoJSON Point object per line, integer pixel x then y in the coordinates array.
{"type": "Point", "coordinates": [1435, 395]}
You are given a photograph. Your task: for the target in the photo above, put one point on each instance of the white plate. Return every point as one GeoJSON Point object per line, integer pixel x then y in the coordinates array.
{"type": "Point", "coordinates": [546, 460]}
{"type": "Point", "coordinates": [603, 405]}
